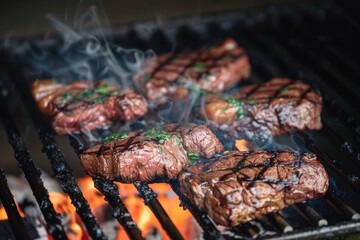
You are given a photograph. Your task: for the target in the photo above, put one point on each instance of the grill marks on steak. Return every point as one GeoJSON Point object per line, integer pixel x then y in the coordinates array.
{"type": "Point", "coordinates": [272, 108]}
{"type": "Point", "coordinates": [213, 70]}
{"type": "Point", "coordinates": [79, 106]}
{"type": "Point", "coordinates": [241, 186]}
{"type": "Point", "coordinates": [146, 155]}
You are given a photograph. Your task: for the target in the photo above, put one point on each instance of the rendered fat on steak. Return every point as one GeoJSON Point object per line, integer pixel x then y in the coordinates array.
{"type": "Point", "coordinates": [146, 155]}
{"type": "Point", "coordinates": [272, 108]}
{"type": "Point", "coordinates": [78, 106]}
{"type": "Point", "coordinates": [213, 70]}
{"type": "Point", "coordinates": [241, 186]}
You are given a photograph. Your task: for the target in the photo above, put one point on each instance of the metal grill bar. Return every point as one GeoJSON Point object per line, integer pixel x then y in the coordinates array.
{"type": "Point", "coordinates": [210, 230]}
{"type": "Point", "coordinates": [32, 174]}
{"type": "Point", "coordinates": [150, 199]}
{"type": "Point", "coordinates": [111, 193]}
{"type": "Point", "coordinates": [58, 164]}
{"type": "Point", "coordinates": [7, 200]}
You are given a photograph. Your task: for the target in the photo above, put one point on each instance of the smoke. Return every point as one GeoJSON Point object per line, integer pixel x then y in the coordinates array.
{"type": "Point", "coordinates": [87, 52]}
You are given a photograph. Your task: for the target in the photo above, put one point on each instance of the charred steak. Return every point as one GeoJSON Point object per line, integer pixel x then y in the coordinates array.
{"type": "Point", "coordinates": [78, 106]}
{"type": "Point", "coordinates": [272, 108]}
{"type": "Point", "coordinates": [145, 155]}
{"type": "Point", "coordinates": [212, 70]}
{"type": "Point", "coordinates": [241, 186]}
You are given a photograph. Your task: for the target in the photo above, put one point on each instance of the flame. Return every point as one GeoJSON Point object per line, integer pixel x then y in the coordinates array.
{"type": "Point", "coordinates": [140, 213]}
{"type": "Point", "coordinates": [3, 214]}
{"type": "Point", "coordinates": [241, 145]}
{"type": "Point", "coordinates": [71, 221]}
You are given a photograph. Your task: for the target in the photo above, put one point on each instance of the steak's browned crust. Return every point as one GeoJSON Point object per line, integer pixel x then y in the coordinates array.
{"type": "Point", "coordinates": [241, 186]}
{"type": "Point", "coordinates": [78, 106]}
{"type": "Point", "coordinates": [272, 108]}
{"type": "Point", "coordinates": [213, 70]}
{"type": "Point", "coordinates": [145, 155]}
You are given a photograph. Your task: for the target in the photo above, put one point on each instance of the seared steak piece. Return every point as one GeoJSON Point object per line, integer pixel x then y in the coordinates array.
{"type": "Point", "coordinates": [272, 108]}
{"type": "Point", "coordinates": [146, 155]}
{"type": "Point", "coordinates": [241, 186]}
{"type": "Point", "coordinates": [213, 70]}
{"type": "Point", "coordinates": [78, 106]}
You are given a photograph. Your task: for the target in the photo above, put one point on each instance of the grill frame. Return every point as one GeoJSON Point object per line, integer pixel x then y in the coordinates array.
{"type": "Point", "coordinates": [260, 51]}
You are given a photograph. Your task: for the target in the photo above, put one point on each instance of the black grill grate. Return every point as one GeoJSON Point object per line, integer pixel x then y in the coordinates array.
{"type": "Point", "coordinates": [302, 41]}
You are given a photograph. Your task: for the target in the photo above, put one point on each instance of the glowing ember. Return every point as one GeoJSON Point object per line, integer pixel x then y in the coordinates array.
{"type": "Point", "coordinates": [3, 215]}
{"type": "Point", "coordinates": [141, 214]}
{"type": "Point", "coordinates": [70, 220]}
{"type": "Point", "coordinates": [241, 145]}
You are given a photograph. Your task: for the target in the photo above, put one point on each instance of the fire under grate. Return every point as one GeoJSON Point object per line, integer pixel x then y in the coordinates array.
{"type": "Point", "coordinates": [292, 41]}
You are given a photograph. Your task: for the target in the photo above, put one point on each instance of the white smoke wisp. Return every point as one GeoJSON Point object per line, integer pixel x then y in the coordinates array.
{"type": "Point", "coordinates": [88, 52]}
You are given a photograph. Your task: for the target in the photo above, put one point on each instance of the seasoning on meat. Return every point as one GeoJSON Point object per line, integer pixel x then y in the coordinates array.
{"type": "Point", "coordinates": [241, 186]}
{"type": "Point", "coordinates": [213, 70]}
{"type": "Point", "coordinates": [272, 108]}
{"type": "Point", "coordinates": [151, 154]}
{"type": "Point", "coordinates": [78, 106]}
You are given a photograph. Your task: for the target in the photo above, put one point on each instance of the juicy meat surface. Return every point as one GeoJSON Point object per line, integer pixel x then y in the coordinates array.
{"type": "Point", "coordinates": [146, 155]}
{"type": "Point", "coordinates": [213, 70]}
{"type": "Point", "coordinates": [272, 108]}
{"type": "Point", "coordinates": [241, 186]}
{"type": "Point", "coordinates": [79, 107]}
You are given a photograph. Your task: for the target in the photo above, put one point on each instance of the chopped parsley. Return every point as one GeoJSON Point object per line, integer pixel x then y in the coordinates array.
{"type": "Point", "coordinates": [147, 76]}
{"type": "Point", "coordinates": [79, 95]}
{"type": "Point", "coordinates": [193, 158]}
{"type": "Point", "coordinates": [140, 165]}
{"type": "Point", "coordinates": [160, 149]}
{"type": "Point", "coordinates": [252, 102]}
{"type": "Point", "coordinates": [198, 66]}
{"type": "Point", "coordinates": [197, 90]}
{"type": "Point", "coordinates": [88, 93]}
{"type": "Point", "coordinates": [66, 96]}
{"type": "Point", "coordinates": [285, 89]}
{"type": "Point", "coordinates": [178, 140]}
{"type": "Point", "coordinates": [226, 108]}
{"type": "Point", "coordinates": [114, 137]}
{"type": "Point", "coordinates": [161, 137]}
{"type": "Point", "coordinates": [239, 105]}
{"type": "Point", "coordinates": [103, 90]}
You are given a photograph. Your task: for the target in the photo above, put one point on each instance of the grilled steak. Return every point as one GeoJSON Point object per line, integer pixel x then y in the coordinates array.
{"type": "Point", "coordinates": [145, 155]}
{"type": "Point", "coordinates": [241, 186]}
{"type": "Point", "coordinates": [78, 106]}
{"type": "Point", "coordinates": [272, 108]}
{"type": "Point", "coordinates": [212, 70]}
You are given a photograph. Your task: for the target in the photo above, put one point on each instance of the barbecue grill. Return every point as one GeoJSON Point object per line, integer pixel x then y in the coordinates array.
{"type": "Point", "coordinates": [312, 42]}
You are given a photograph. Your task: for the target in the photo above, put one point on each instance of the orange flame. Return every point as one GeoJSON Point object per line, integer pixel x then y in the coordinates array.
{"type": "Point", "coordinates": [3, 214]}
{"type": "Point", "coordinates": [140, 213]}
{"type": "Point", "coordinates": [63, 206]}
{"type": "Point", "coordinates": [241, 144]}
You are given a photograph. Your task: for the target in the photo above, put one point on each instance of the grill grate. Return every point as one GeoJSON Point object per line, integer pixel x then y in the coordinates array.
{"type": "Point", "coordinates": [292, 41]}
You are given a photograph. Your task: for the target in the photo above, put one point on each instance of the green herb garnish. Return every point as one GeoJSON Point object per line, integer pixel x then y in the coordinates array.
{"type": "Point", "coordinates": [252, 102]}
{"type": "Point", "coordinates": [285, 89]}
{"type": "Point", "coordinates": [178, 140]}
{"type": "Point", "coordinates": [160, 149]}
{"type": "Point", "coordinates": [197, 90]}
{"type": "Point", "coordinates": [140, 165]}
{"type": "Point", "coordinates": [103, 90]}
{"type": "Point", "coordinates": [88, 93]}
{"type": "Point", "coordinates": [147, 76]}
{"type": "Point", "coordinates": [198, 66]}
{"type": "Point", "coordinates": [66, 96]}
{"type": "Point", "coordinates": [79, 96]}
{"type": "Point", "coordinates": [226, 108]}
{"type": "Point", "coordinates": [193, 158]}
{"type": "Point", "coordinates": [114, 137]}
{"type": "Point", "coordinates": [161, 137]}
{"type": "Point", "coordinates": [239, 106]}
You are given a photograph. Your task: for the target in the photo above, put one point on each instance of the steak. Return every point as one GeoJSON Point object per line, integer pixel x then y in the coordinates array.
{"type": "Point", "coordinates": [259, 111]}
{"type": "Point", "coordinates": [241, 186]}
{"type": "Point", "coordinates": [151, 154]}
{"type": "Point", "coordinates": [77, 106]}
{"type": "Point", "coordinates": [213, 70]}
